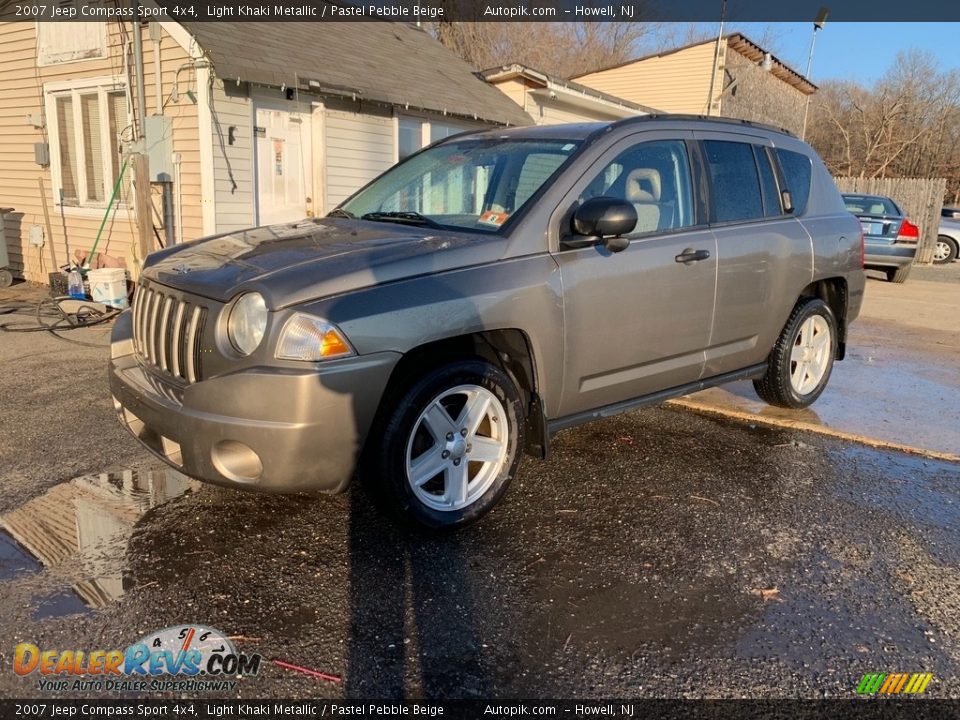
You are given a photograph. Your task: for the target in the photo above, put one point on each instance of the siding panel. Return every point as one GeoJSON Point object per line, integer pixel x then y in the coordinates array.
{"type": "Point", "coordinates": [677, 82]}
{"type": "Point", "coordinates": [22, 83]}
{"type": "Point", "coordinates": [357, 148]}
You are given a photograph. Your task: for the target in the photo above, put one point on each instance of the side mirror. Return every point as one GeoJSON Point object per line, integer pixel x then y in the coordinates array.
{"type": "Point", "coordinates": [787, 201]}
{"type": "Point", "coordinates": [602, 219]}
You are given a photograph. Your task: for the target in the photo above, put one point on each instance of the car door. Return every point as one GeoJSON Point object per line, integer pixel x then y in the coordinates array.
{"type": "Point", "coordinates": [764, 255]}
{"type": "Point", "coordinates": [637, 321]}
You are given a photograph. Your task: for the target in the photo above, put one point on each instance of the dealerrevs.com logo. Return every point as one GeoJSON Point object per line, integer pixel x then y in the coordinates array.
{"type": "Point", "coordinates": [181, 658]}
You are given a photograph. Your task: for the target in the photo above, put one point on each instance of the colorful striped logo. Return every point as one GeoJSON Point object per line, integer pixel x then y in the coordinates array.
{"type": "Point", "coordinates": [894, 683]}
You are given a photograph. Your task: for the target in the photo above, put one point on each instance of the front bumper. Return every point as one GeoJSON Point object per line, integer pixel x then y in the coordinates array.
{"type": "Point", "coordinates": [268, 429]}
{"type": "Point", "coordinates": [892, 255]}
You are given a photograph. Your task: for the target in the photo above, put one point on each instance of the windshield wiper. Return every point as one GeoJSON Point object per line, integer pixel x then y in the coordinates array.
{"type": "Point", "coordinates": [403, 216]}
{"type": "Point", "coordinates": [340, 212]}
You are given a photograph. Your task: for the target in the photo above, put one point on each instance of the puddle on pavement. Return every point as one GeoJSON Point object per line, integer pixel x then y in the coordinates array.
{"type": "Point", "coordinates": [78, 533]}
{"type": "Point", "coordinates": [14, 560]}
{"type": "Point", "coordinates": [897, 397]}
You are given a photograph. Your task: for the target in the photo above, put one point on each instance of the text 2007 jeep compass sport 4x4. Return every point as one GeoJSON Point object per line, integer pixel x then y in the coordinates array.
{"type": "Point", "coordinates": [484, 293]}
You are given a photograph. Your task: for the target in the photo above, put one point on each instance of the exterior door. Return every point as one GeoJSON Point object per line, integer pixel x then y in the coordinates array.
{"type": "Point", "coordinates": [283, 165]}
{"type": "Point", "coordinates": [763, 254]}
{"type": "Point", "coordinates": [638, 321]}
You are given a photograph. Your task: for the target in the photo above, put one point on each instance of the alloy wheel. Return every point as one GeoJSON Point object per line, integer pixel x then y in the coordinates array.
{"type": "Point", "coordinates": [810, 356]}
{"type": "Point", "coordinates": [457, 448]}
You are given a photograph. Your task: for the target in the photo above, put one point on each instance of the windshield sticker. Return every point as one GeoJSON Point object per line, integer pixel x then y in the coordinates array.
{"type": "Point", "coordinates": [568, 147]}
{"type": "Point", "coordinates": [492, 217]}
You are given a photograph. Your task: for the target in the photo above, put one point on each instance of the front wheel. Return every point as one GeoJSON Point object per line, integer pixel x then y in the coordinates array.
{"type": "Point", "coordinates": [450, 445]}
{"type": "Point", "coordinates": [800, 363]}
{"type": "Point", "coordinates": [946, 250]}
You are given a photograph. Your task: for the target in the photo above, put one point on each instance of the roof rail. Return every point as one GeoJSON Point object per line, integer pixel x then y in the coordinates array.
{"type": "Point", "coordinates": [638, 119]}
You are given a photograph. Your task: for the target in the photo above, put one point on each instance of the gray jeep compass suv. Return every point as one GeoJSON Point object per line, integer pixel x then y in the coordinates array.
{"type": "Point", "coordinates": [483, 294]}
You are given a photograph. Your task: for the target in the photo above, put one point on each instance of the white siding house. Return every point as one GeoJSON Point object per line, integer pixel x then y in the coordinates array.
{"type": "Point", "coordinates": [552, 101]}
{"type": "Point", "coordinates": [274, 130]}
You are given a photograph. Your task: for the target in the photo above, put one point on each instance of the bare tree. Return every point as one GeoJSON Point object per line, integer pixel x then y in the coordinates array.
{"type": "Point", "coordinates": [562, 49]}
{"type": "Point", "coordinates": [907, 124]}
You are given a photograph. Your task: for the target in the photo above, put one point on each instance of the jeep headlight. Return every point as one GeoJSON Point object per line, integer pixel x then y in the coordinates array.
{"type": "Point", "coordinates": [309, 338]}
{"type": "Point", "coordinates": [247, 322]}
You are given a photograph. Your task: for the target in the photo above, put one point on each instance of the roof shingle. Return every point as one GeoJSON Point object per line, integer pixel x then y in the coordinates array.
{"type": "Point", "coordinates": [394, 63]}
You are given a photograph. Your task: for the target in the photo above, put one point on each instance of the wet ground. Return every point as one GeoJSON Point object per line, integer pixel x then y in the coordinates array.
{"type": "Point", "coordinates": [898, 384]}
{"type": "Point", "coordinates": [660, 554]}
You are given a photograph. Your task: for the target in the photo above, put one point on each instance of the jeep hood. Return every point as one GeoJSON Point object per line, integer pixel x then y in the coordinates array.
{"type": "Point", "coordinates": [296, 262]}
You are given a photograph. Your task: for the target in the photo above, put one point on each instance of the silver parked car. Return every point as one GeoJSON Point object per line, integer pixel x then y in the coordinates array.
{"type": "Point", "coordinates": [483, 294]}
{"type": "Point", "coordinates": [948, 236]}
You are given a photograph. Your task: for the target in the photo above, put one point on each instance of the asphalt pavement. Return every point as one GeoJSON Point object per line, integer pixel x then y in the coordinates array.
{"type": "Point", "coordinates": [656, 554]}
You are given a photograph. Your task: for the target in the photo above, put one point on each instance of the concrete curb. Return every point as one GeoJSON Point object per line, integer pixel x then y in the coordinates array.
{"type": "Point", "coordinates": [714, 411]}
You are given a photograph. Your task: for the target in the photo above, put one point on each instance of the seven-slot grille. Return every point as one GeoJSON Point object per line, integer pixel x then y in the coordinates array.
{"type": "Point", "coordinates": [167, 332]}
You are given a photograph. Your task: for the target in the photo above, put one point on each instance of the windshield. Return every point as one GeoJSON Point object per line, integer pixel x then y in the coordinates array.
{"type": "Point", "coordinates": [473, 184]}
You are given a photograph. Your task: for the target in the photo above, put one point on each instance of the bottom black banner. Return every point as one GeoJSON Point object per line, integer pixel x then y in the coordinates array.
{"type": "Point", "coordinates": [922, 709]}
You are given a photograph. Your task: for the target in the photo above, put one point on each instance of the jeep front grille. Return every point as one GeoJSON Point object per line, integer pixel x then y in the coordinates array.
{"type": "Point", "coordinates": [168, 332]}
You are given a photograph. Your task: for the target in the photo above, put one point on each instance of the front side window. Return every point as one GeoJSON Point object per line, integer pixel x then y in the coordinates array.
{"type": "Point", "coordinates": [734, 184]}
{"type": "Point", "coordinates": [655, 178]}
{"type": "Point", "coordinates": [86, 126]}
{"type": "Point", "coordinates": [474, 184]}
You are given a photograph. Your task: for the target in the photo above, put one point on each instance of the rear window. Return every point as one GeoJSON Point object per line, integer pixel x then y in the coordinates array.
{"type": "Point", "coordinates": [796, 173]}
{"type": "Point", "coordinates": [734, 185]}
{"type": "Point", "coordinates": [870, 205]}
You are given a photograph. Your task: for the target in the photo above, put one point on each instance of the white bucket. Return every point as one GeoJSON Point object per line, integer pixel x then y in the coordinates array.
{"type": "Point", "coordinates": [109, 286]}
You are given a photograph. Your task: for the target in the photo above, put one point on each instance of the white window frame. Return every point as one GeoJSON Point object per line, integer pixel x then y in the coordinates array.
{"type": "Point", "coordinates": [74, 89]}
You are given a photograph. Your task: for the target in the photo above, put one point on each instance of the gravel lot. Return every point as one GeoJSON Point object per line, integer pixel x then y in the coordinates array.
{"type": "Point", "coordinates": [657, 554]}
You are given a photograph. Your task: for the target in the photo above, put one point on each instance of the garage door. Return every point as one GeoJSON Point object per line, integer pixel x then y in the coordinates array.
{"type": "Point", "coordinates": [357, 147]}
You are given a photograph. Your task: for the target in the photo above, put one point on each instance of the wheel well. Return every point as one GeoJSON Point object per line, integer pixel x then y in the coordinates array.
{"type": "Point", "coordinates": [509, 349]}
{"type": "Point", "coordinates": [833, 291]}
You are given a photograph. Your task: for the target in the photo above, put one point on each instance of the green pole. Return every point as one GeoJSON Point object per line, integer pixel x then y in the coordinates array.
{"type": "Point", "coordinates": [106, 214]}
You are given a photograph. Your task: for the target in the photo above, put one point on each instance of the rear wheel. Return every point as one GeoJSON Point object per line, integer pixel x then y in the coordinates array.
{"type": "Point", "coordinates": [450, 445]}
{"type": "Point", "coordinates": [800, 363]}
{"type": "Point", "coordinates": [898, 275]}
{"type": "Point", "coordinates": [946, 250]}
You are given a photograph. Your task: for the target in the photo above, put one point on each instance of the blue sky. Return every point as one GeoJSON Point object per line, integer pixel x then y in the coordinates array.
{"type": "Point", "coordinates": [859, 51]}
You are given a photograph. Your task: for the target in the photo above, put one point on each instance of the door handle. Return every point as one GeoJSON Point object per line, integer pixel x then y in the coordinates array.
{"type": "Point", "coordinates": [690, 255]}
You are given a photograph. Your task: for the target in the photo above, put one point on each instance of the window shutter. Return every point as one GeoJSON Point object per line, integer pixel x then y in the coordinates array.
{"type": "Point", "coordinates": [68, 150]}
{"type": "Point", "coordinates": [92, 146]}
{"type": "Point", "coordinates": [59, 42]}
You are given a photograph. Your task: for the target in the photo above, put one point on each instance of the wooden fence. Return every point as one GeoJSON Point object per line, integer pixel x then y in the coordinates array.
{"type": "Point", "coordinates": [920, 198]}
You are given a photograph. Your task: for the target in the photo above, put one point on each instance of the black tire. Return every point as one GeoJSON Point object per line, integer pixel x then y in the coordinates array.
{"type": "Point", "coordinates": [385, 466]}
{"type": "Point", "coordinates": [953, 249]}
{"type": "Point", "coordinates": [6, 278]}
{"type": "Point", "coordinates": [776, 387]}
{"type": "Point", "coordinates": [898, 275]}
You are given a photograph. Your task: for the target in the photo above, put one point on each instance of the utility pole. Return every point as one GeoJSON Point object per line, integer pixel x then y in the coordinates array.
{"type": "Point", "coordinates": [143, 204]}
{"type": "Point", "coordinates": [818, 24]}
{"type": "Point", "coordinates": [716, 59]}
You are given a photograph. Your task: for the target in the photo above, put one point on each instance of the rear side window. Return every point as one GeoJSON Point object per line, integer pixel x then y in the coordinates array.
{"type": "Point", "coordinates": [796, 173]}
{"type": "Point", "coordinates": [768, 183]}
{"type": "Point", "coordinates": [734, 185]}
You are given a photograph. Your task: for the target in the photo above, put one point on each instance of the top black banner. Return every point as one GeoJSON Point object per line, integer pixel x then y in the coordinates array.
{"type": "Point", "coordinates": [417, 11]}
